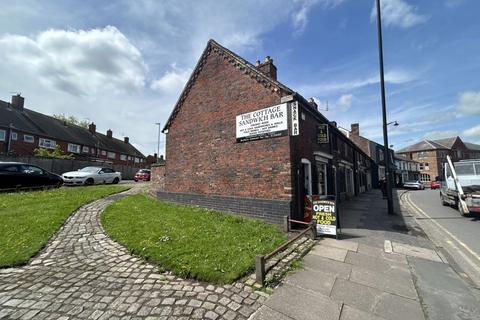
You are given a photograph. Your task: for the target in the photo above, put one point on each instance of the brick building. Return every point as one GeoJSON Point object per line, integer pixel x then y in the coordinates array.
{"type": "Point", "coordinates": [374, 150]}
{"type": "Point", "coordinates": [405, 169]}
{"type": "Point", "coordinates": [219, 156]}
{"type": "Point", "coordinates": [23, 130]}
{"type": "Point", "coordinates": [432, 154]}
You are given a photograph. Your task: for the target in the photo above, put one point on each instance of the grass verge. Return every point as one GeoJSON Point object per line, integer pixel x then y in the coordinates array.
{"type": "Point", "coordinates": [192, 242]}
{"type": "Point", "coordinates": [29, 219]}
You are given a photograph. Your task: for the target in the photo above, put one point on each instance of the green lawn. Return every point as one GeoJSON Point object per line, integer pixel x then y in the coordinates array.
{"type": "Point", "coordinates": [190, 241]}
{"type": "Point", "coordinates": [29, 219]}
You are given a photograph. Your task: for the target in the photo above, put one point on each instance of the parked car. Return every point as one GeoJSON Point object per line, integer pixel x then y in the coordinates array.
{"type": "Point", "coordinates": [91, 175]}
{"type": "Point", "coordinates": [434, 185]}
{"type": "Point", "coordinates": [417, 185]}
{"type": "Point", "coordinates": [142, 175]}
{"type": "Point", "coordinates": [18, 175]}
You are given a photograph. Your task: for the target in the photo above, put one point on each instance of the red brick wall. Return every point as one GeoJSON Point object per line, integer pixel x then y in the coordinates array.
{"type": "Point", "coordinates": [157, 177]}
{"type": "Point", "coordinates": [201, 150]}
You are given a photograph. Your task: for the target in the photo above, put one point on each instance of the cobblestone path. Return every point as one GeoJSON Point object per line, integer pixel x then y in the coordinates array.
{"type": "Point", "coordinates": [82, 274]}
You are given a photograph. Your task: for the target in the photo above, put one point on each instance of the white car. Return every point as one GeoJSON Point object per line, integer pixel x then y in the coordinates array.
{"type": "Point", "coordinates": [91, 175]}
{"type": "Point", "coordinates": [417, 185]}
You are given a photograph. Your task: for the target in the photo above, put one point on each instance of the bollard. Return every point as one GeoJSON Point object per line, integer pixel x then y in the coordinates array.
{"type": "Point", "coordinates": [260, 270]}
{"type": "Point", "coordinates": [286, 224]}
{"type": "Point", "coordinates": [313, 230]}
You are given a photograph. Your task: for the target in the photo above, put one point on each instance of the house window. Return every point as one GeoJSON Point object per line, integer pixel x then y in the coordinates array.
{"type": "Point", "coordinates": [2, 135]}
{"type": "Point", "coordinates": [322, 178]}
{"type": "Point", "coordinates": [92, 150]}
{"type": "Point", "coordinates": [46, 143]}
{"type": "Point", "coordinates": [75, 148]}
{"type": "Point", "coordinates": [85, 149]}
{"type": "Point", "coordinates": [123, 157]}
{"type": "Point", "coordinates": [28, 138]}
{"type": "Point", "coordinates": [111, 155]}
{"type": "Point", "coordinates": [137, 160]}
{"type": "Point", "coordinates": [104, 153]}
{"type": "Point", "coordinates": [14, 136]}
{"type": "Point", "coordinates": [307, 176]}
{"type": "Point", "coordinates": [424, 177]}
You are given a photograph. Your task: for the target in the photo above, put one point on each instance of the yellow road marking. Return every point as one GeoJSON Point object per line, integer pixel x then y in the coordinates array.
{"type": "Point", "coordinates": [410, 202]}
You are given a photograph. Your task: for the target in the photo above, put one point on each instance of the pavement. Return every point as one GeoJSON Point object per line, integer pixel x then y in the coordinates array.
{"type": "Point", "coordinates": [384, 267]}
{"type": "Point", "coordinates": [83, 274]}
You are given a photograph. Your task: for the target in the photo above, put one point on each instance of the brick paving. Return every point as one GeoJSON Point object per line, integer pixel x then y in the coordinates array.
{"type": "Point", "coordinates": [82, 274]}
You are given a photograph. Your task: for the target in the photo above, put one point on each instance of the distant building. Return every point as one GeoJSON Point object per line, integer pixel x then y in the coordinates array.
{"type": "Point", "coordinates": [374, 150]}
{"type": "Point", "coordinates": [23, 130]}
{"type": "Point", "coordinates": [432, 154]}
{"type": "Point", "coordinates": [406, 169]}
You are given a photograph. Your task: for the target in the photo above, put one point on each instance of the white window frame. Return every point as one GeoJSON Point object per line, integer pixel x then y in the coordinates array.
{"type": "Point", "coordinates": [85, 149]}
{"type": "Point", "coordinates": [324, 164]}
{"type": "Point", "coordinates": [26, 138]}
{"type": "Point", "coordinates": [42, 143]}
{"type": "Point", "coordinates": [3, 133]}
{"type": "Point", "coordinates": [308, 174]}
{"type": "Point", "coordinates": [74, 148]}
{"type": "Point", "coordinates": [123, 157]}
{"type": "Point", "coordinates": [137, 160]}
{"type": "Point", "coordinates": [104, 153]}
{"type": "Point", "coordinates": [111, 155]}
{"type": "Point", "coordinates": [14, 135]}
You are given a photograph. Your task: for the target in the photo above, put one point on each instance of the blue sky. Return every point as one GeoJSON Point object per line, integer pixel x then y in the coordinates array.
{"type": "Point", "coordinates": [122, 64]}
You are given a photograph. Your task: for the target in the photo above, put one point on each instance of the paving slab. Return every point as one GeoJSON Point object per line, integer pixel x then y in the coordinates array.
{"type": "Point", "coordinates": [351, 313]}
{"type": "Point", "coordinates": [443, 293]}
{"type": "Point", "coordinates": [355, 295]}
{"type": "Point", "coordinates": [379, 253]}
{"type": "Point", "coordinates": [414, 251]}
{"type": "Point", "coordinates": [378, 264]}
{"type": "Point", "coordinates": [342, 244]}
{"type": "Point", "coordinates": [396, 285]}
{"type": "Point", "coordinates": [314, 281]}
{"type": "Point", "coordinates": [333, 253]}
{"type": "Point", "coordinates": [302, 305]}
{"type": "Point", "coordinates": [266, 313]}
{"type": "Point", "coordinates": [393, 307]}
{"type": "Point", "coordinates": [336, 268]}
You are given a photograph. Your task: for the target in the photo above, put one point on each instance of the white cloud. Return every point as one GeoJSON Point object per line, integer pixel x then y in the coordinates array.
{"type": "Point", "coordinates": [342, 104]}
{"type": "Point", "coordinates": [469, 103]}
{"type": "Point", "coordinates": [77, 61]}
{"type": "Point", "coordinates": [472, 132]}
{"type": "Point", "coordinates": [433, 135]}
{"type": "Point", "coordinates": [172, 81]}
{"type": "Point", "coordinates": [453, 3]}
{"type": "Point", "coordinates": [345, 102]}
{"type": "Point", "coordinates": [398, 13]}
{"type": "Point", "coordinates": [300, 17]}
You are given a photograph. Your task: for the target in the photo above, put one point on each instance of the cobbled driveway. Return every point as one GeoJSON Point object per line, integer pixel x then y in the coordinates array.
{"type": "Point", "coordinates": [82, 274]}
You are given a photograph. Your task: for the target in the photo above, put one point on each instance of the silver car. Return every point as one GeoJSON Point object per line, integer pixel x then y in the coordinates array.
{"type": "Point", "coordinates": [417, 185]}
{"type": "Point", "coordinates": [91, 175]}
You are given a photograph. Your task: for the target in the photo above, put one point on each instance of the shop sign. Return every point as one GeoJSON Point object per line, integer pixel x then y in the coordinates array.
{"type": "Point", "coordinates": [325, 216]}
{"type": "Point", "coordinates": [294, 123]}
{"type": "Point", "coordinates": [261, 124]}
{"type": "Point", "coordinates": [322, 133]}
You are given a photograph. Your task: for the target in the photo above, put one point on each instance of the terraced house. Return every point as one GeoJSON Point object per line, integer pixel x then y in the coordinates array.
{"type": "Point", "coordinates": [23, 130]}
{"type": "Point", "coordinates": [238, 140]}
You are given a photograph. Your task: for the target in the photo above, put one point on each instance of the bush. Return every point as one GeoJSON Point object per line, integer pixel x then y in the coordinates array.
{"type": "Point", "coordinates": [55, 154]}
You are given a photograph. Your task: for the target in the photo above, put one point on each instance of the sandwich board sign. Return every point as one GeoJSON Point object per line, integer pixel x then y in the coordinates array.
{"type": "Point", "coordinates": [325, 215]}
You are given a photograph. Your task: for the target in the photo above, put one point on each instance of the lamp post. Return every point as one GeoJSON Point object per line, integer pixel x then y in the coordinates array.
{"type": "Point", "coordinates": [384, 113]}
{"type": "Point", "coordinates": [158, 141]}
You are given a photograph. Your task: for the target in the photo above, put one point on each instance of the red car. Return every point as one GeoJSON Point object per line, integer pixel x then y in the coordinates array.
{"type": "Point", "coordinates": [434, 185]}
{"type": "Point", "coordinates": [142, 175]}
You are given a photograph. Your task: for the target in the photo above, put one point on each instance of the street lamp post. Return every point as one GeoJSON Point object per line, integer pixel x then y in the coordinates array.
{"type": "Point", "coordinates": [384, 113]}
{"type": "Point", "coordinates": [158, 141]}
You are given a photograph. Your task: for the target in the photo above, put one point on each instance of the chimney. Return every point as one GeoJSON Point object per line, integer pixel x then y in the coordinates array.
{"type": "Point", "coordinates": [313, 104]}
{"type": "Point", "coordinates": [333, 123]}
{"type": "Point", "coordinates": [18, 101]}
{"type": "Point", "coordinates": [267, 67]}
{"type": "Point", "coordinates": [355, 129]}
{"type": "Point", "coordinates": [92, 128]}
{"type": "Point", "coordinates": [109, 133]}
{"type": "Point", "coordinates": [125, 139]}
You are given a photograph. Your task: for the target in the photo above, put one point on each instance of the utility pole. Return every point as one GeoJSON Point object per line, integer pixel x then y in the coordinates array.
{"type": "Point", "coordinates": [158, 141]}
{"type": "Point", "coordinates": [386, 152]}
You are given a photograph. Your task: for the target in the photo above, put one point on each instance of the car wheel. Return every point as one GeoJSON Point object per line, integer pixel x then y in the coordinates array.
{"type": "Point", "coordinates": [115, 181]}
{"type": "Point", "coordinates": [89, 182]}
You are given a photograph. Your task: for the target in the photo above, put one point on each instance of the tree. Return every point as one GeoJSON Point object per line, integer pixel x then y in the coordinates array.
{"type": "Point", "coordinates": [56, 154]}
{"type": "Point", "coordinates": [71, 120]}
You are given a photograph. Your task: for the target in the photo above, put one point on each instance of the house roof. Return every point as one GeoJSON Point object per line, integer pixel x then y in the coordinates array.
{"type": "Point", "coordinates": [423, 145]}
{"type": "Point", "coordinates": [39, 124]}
{"type": "Point", "coordinates": [447, 142]}
{"type": "Point", "coordinates": [472, 146]}
{"type": "Point", "coordinates": [240, 63]}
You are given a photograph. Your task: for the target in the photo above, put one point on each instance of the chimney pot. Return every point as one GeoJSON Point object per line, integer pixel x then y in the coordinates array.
{"type": "Point", "coordinates": [333, 123]}
{"type": "Point", "coordinates": [126, 140]}
{"type": "Point", "coordinates": [355, 129]}
{"type": "Point", "coordinates": [109, 133]}
{"type": "Point", "coordinates": [18, 101]}
{"type": "Point", "coordinates": [92, 127]}
{"type": "Point", "coordinates": [267, 67]}
{"type": "Point", "coordinates": [313, 104]}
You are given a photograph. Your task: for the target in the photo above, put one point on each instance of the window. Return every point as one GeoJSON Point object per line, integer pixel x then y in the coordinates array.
{"type": "Point", "coordinates": [349, 180]}
{"type": "Point", "coordinates": [10, 168]}
{"type": "Point", "coordinates": [104, 153]}
{"type": "Point", "coordinates": [322, 178]}
{"type": "Point", "coordinates": [28, 138]}
{"type": "Point", "coordinates": [111, 155]}
{"type": "Point", "coordinates": [46, 143]}
{"type": "Point", "coordinates": [85, 149]}
{"type": "Point", "coordinates": [307, 176]}
{"type": "Point", "coordinates": [92, 150]}
{"type": "Point", "coordinates": [137, 160]}
{"type": "Point", "coordinates": [123, 157]}
{"type": "Point", "coordinates": [75, 148]}
{"type": "Point", "coordinates": [424, 177]}
{"type": "Point", "coordinates": [107, 170]}
{"type": "Point", "coordinates": [14, 136]}
{"type": "Point", "coordinates": [2, 135]}
{"type": "Point", "coordinates": [31, 169]}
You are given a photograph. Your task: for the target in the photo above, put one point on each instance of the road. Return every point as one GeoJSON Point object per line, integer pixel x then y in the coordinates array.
{"type": "Point", "coordinates": [459, 236]}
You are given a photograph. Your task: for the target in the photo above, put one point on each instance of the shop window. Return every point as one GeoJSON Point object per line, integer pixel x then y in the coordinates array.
{"type": "Point", "coordinates": [14, 136]}
{"type": "Point", "coordinates": [307, 174]}
{"type": "Point", "coordinates": [322, 178]}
